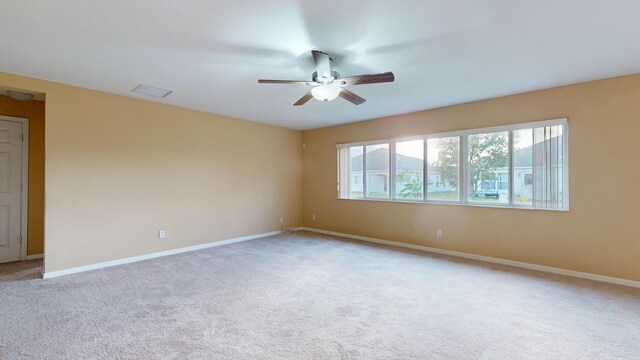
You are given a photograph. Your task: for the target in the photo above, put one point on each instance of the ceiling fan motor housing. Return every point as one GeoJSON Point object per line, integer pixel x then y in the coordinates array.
{"type": "Point", "coordinates": [315, 78]}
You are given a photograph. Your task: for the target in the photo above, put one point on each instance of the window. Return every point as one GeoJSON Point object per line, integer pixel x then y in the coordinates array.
{"type": "Point", "coordinates": [443, 172]}
{"type": "Point", "coordinates": [549, 167]}
{"type": "Point", "coordinates": [488, 160]}
{"type": "Point", "coordinates": [522, 165]}
{"type": "Point", "coordinates": [409, 163]}
{"type": "Point", "coordinates": [355, 171]}
{"type": "Point", "coordinates": [377, 171]}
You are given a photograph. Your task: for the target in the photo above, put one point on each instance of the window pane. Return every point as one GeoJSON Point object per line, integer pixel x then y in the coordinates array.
{"type": "Point", "coordinates": [377, 168]}
{"type": "Point", "coordinates": [548, 160]}
{"type": "Point", "coordinates": [443, 169]}
{"type": "Point", "coordinates": [410, 169]}
{"type": "Point", "coordinates": [523, 167]}
{"type": "Point", "coordinates": [355, 172]}
{"type": "Point", "coordinates": [488, 161]}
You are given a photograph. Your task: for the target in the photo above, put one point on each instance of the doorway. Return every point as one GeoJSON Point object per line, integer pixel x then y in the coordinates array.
{"type": "Point", "coordinates": [14, 151]}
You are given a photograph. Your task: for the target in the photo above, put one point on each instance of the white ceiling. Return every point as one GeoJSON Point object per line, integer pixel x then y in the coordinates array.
{"type": "Point", "coordinates": [211, 53]}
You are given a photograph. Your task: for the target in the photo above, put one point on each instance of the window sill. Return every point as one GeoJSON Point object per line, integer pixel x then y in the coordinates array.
{"type": "Point", "coordinates": [431, 202]}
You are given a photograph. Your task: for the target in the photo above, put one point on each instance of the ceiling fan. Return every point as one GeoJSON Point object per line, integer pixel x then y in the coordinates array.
{"type": "Point", "coordinates": [327, 84]}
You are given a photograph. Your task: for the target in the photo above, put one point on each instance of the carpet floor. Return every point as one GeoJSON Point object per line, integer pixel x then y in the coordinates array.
{"type": "Point", "coordinates": [308, 296]}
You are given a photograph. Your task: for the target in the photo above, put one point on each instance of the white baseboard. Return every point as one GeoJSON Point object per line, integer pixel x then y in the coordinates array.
{"type": "Point", "coordinates": [105, 264]}
{"type": "Point", "coordinates": [33, 257]}
{"type": "Point", "coordinates": [548, 269]}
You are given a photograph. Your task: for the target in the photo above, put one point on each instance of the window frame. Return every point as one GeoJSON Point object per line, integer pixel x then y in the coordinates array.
{"type": "Point", "coordinates": [461, 155]}
{"type": "Point", "coordinates": [466, 181]}
{"type": "Point", "coordinates": [392, 157]}
{"type": "Point", "coordinates": [365, 181]}
{"type": "Point", "coordinates": [463, 167]}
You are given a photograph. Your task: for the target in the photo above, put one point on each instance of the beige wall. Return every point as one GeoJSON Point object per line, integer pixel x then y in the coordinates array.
{"type": "Point", "coordinates": [598, 235]}
{"type": "Point", "coordinates": [118, 170]}
{"type": "Point", "coordinates": [34, 111]}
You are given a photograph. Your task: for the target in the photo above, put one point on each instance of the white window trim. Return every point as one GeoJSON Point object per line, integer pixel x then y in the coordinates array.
{"type": "Point", "coordinates": [462, 166]}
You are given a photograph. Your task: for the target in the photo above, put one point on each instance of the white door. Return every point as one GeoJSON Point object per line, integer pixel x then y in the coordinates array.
{"type": "Point", "coordinates": [10, 190]}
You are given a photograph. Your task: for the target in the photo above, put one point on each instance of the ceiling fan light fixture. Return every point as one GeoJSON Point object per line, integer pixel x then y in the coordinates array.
{"type": "Point", "coordinates": [326, 92]}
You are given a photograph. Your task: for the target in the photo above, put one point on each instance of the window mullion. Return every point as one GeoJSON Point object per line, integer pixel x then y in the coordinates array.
{"type": "Point", "coordinates": [425, 169]}
{"type": "Point", "coordinates": [340, 171]}
{"type": "Point", "coordinates": [347, 176]}
{"type": "Point", "coordinates": [534, 179]}
{"type": "Point", "coordinates": [392, 170]}
{"type": "Point", "coordinates": [364, 172]}
{"type": "Point", "coordinates": [464, 170]}
{"type": "Point", "coordinates": [565, 167]}
{"type": "Point", "coordinates": [510, 170]}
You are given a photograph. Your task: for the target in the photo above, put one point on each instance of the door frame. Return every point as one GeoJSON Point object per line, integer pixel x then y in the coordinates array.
{"type": "Point", "coordinates": [24, 199]}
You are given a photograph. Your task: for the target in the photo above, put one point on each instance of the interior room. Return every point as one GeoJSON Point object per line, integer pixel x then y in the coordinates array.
{"type": "Point", "coordinates": [319, 180]}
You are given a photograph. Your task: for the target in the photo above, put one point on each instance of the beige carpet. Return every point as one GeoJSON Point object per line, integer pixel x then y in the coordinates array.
{"type": "Point", "coordinates": [306, 296]}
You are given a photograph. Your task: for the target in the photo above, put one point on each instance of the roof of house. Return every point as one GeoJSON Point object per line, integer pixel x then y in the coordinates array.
{"type": "Point", "coordinates": [523, 157]}
{"type": "Point", "coordinates": [379, 160]}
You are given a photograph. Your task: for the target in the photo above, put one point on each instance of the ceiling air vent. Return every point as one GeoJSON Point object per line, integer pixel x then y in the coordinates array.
{"type": "Point", "coordinates": [151, 91]}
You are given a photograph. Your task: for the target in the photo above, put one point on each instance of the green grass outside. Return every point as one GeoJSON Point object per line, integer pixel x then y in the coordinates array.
{"type": "Point", "coordinates": [443, 196]}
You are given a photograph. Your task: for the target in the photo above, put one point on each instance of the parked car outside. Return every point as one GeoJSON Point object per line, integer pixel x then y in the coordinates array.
{"type": "Point", "coordinates": [487, 194]}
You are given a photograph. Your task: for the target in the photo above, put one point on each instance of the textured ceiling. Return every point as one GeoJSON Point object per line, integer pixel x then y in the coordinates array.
{"type": "Point", "coordinates": [211, 53]}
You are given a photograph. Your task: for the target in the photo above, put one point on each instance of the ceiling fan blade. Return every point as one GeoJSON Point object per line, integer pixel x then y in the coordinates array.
{"type": "Point", "coordinates": [348, 95]}
{"type": "Point", "coordinates": [369, 79]}
{"type": "Point", "coordinates": [303, 99]}
{"type": "Point", "coordinates": [323, 64]}
{"type": "Point", "coordinates": [263, 81]}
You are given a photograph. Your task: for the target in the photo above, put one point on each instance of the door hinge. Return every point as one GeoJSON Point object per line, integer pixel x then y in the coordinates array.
{"type": "Point", "coordinates": [20, 237]}
{"type": "Point", "coordinates": [22, 137]}
{"type": "Point", "coordinates": [21, 188]}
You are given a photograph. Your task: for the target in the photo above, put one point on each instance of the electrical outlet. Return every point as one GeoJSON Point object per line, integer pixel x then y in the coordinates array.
{"type": "Point", "coordinates": [281, 220]}
{"type": "Point", "coordinates": [439, 233]}
{"type": "Point", "coordinates": [162, 234]}
{"type": "Point", "coordinates": [313, 217]}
